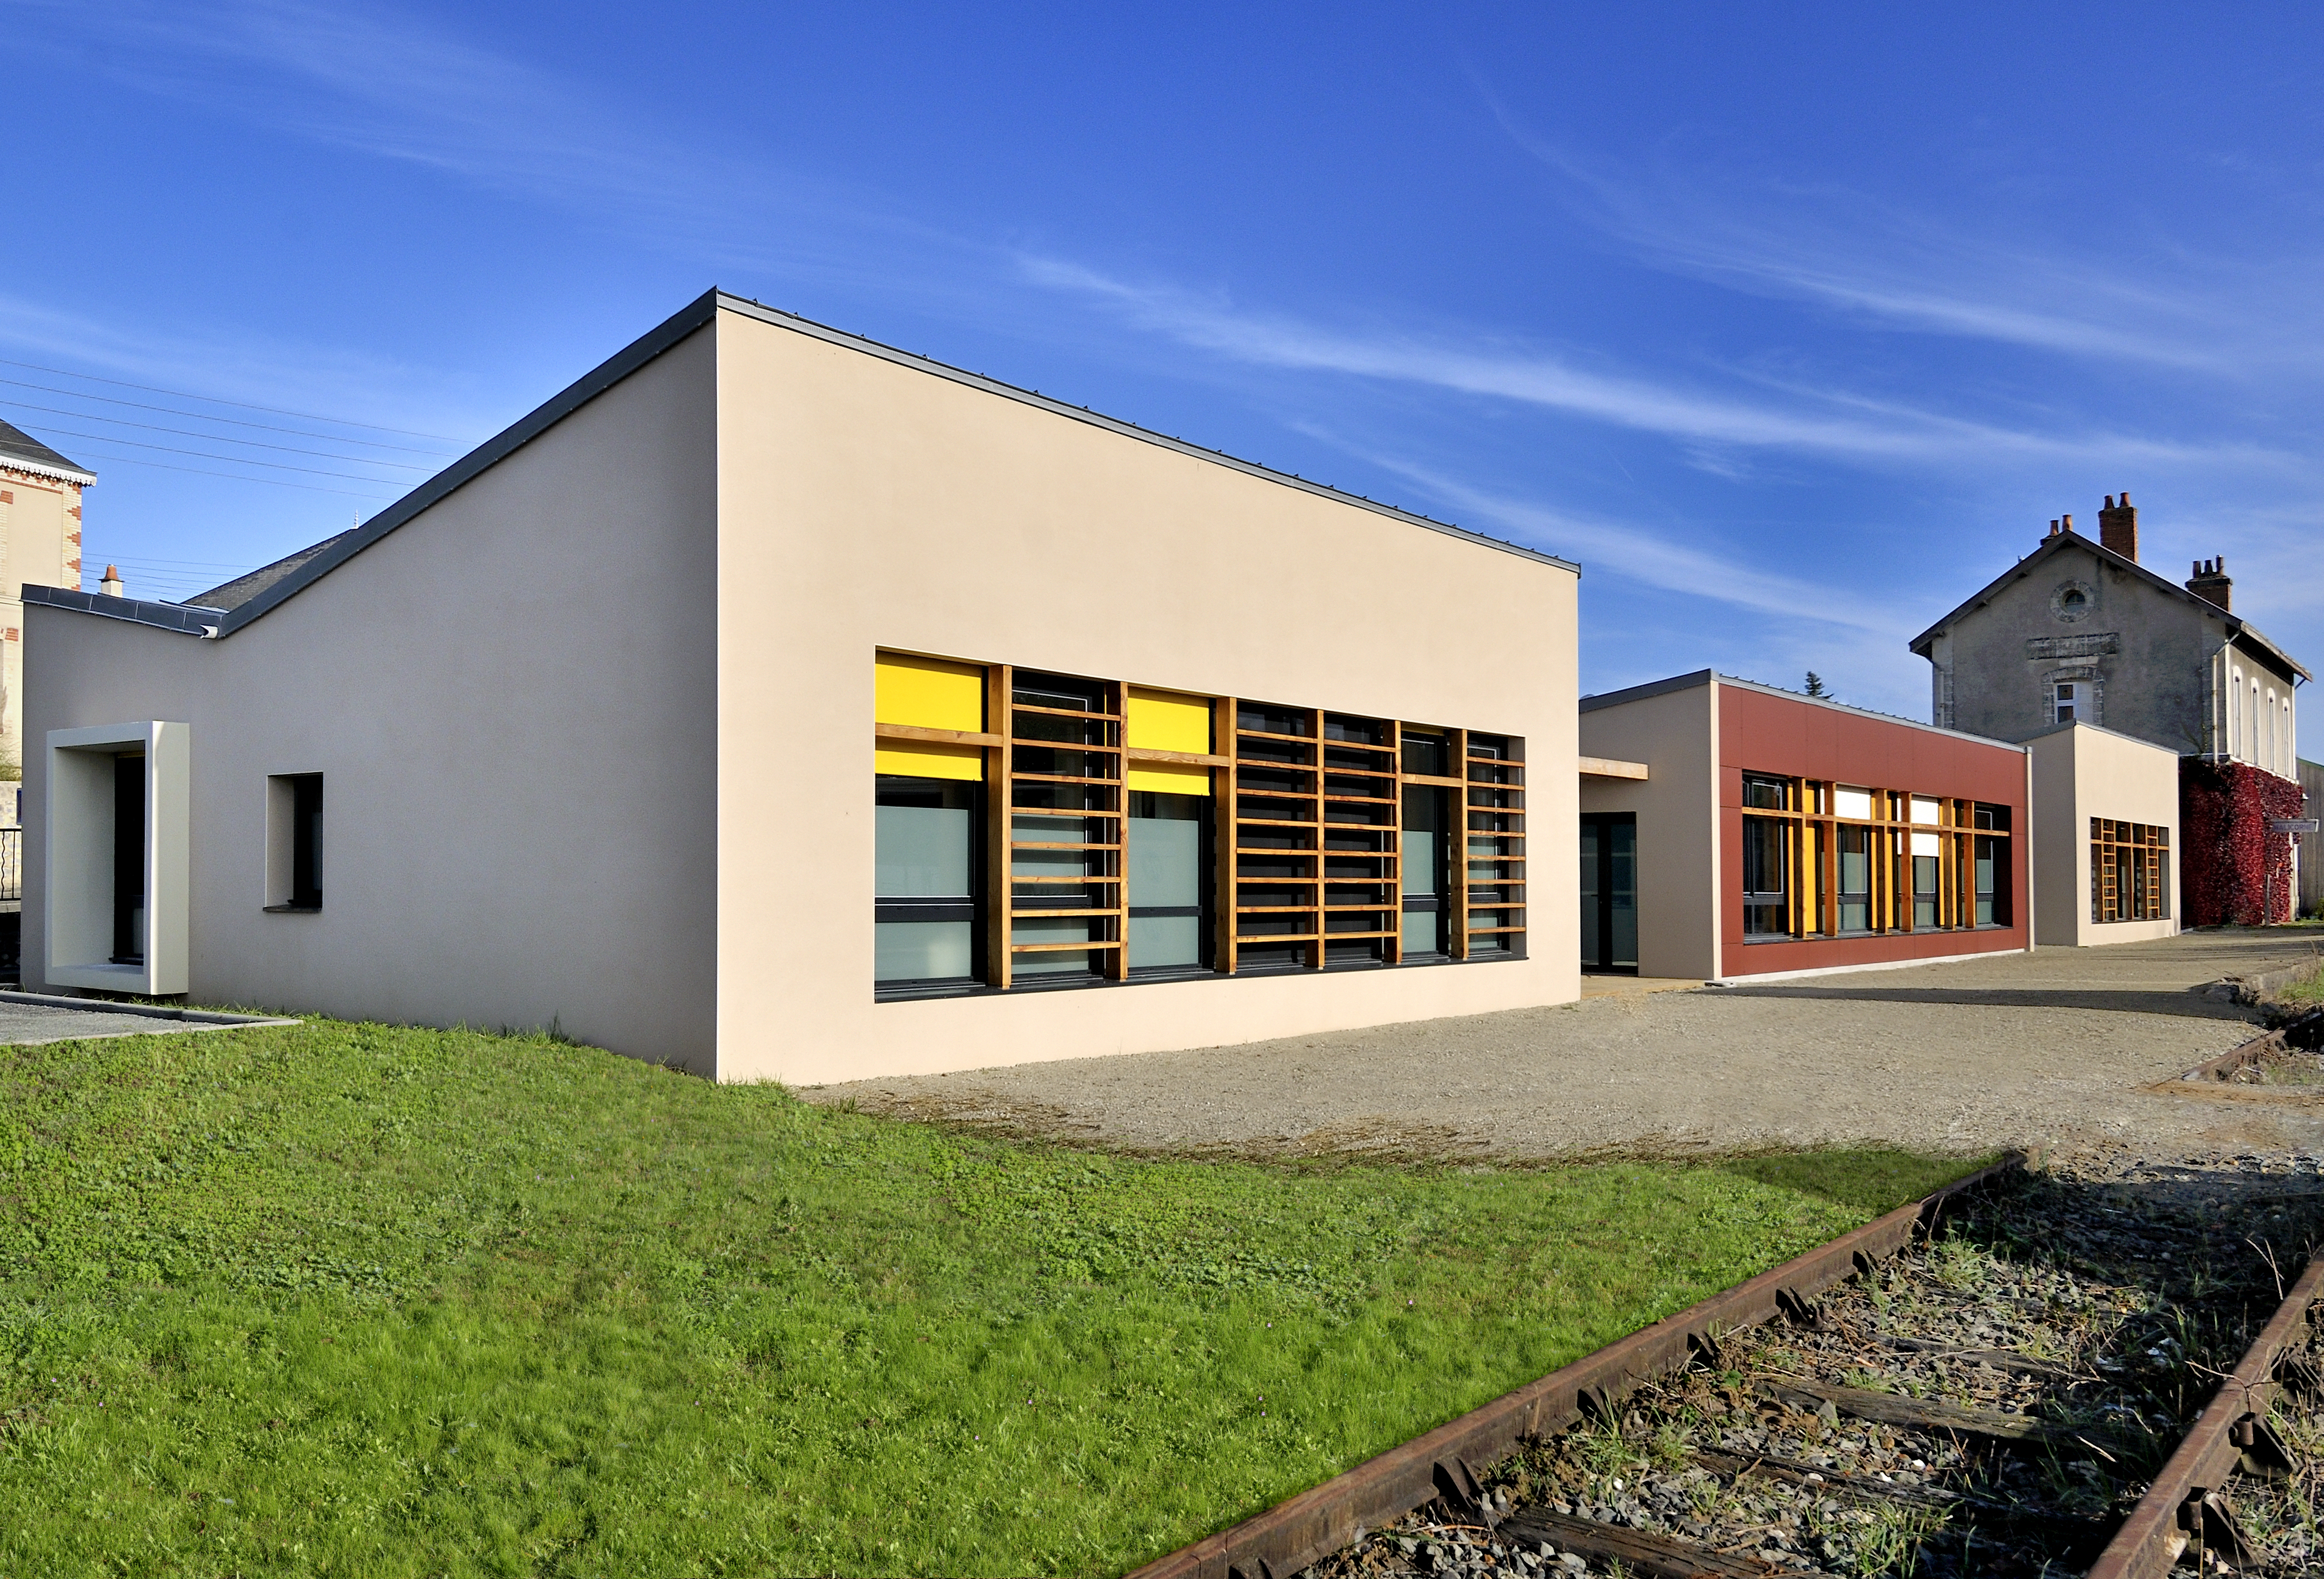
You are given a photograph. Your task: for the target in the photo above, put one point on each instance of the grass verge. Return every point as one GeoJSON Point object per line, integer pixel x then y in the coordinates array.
{"type": "Point", "coordinates": [354, 1299]}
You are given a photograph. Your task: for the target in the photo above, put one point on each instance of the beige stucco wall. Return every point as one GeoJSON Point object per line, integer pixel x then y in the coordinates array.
{"type": "Point", "coordinates": [40, 541]}
{"type": "Point", "coordinates": [511, 699]}
{"type": "Point", "coordinates": [2082, 772]}
{"type": "Point", "coordinates": [1677, 808]}
{"type": "Point", "coordinates": [865, 504]}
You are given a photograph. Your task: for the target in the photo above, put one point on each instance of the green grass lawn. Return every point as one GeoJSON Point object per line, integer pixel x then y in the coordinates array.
{"type": "Point", "coordinates": [352, 1299]}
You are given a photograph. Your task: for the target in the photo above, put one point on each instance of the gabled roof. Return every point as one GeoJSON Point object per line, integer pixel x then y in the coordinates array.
{"type": "Point", "coordinates": [22, 450]}
{"type": "Point", "coordinates": [2241, 629]}
{"type": "Point", "coordinates": [310, 565]}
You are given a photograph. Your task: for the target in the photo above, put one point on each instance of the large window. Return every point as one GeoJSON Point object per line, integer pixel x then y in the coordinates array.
{"type": "Point", "coordinates": [923, 893]}
{"type": "Point", "coordinates": [1825, 859]}
{"type": "Point", "coordinates": [2130, 871]}
{"type": "Point", "coordinates": [1145, 833]}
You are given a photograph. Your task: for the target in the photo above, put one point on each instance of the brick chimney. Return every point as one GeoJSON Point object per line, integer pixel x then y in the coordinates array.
{"type": "Point", "coordinates": [2210, 580]}
{"type": "Point", "coordinates": [2119, 527]}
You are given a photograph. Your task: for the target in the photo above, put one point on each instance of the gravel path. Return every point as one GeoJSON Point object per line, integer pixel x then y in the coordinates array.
{"type": "Point", "coordinates": [2051, 1048]}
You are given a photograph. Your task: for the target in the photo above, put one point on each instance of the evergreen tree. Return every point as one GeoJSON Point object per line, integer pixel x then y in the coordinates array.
{"type": "Point", "coordinates": [1815, 684]}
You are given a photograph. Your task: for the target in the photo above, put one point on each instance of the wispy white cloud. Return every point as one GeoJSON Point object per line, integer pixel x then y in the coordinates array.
{"type": "Point", "coordinates": [235, 364]}
{"type": "Point", "coordinates": [1865, 258]}
{"type": "Point", "coordinates": [1847, 425]}
{"type": "Point", "coordinates": [1634, 553]}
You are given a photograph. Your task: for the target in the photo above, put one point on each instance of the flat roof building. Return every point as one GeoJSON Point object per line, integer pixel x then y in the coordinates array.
{"type": "Point", "coordinates": [1731, 829]}
{"type": "Point", "coordinates": [780, 705]}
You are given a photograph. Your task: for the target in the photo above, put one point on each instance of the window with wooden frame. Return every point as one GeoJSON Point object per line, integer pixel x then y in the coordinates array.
{"type": "Point", "coordinates": [2130, 871]}
{"type": "Point", "coordinates": [1150, 834]}
{"type": "Point", "coordinates": [1822, 859]}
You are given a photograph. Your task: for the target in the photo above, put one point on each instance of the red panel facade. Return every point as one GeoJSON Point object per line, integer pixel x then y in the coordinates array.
{"type": "Point", "coordinates": [1792, 737]}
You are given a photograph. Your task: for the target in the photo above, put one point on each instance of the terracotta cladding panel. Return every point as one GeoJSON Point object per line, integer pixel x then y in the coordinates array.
{"type": "Point", "coordinates": [1773, 734]}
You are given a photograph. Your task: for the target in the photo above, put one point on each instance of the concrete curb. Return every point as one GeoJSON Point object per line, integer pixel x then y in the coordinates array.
{"type": "Point", "coordinates": [2257, 988]}
{"type": "Point", "coordinates": [148, 1011]}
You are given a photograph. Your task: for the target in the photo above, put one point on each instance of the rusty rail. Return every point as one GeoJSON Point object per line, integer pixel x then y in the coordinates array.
{"type": "Point", "coordinates": [1445, 1463]}
{"type": "Point", "coordinates": [2185, 1504]}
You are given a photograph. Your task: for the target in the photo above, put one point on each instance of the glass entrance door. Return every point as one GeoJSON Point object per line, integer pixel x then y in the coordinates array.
{"type": "Point", "coordinates": [1609, 892]}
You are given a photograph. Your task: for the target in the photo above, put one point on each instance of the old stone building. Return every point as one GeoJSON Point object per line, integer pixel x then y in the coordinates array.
{"type": "Point", "coordinates": [40, 542]}
{"type": "Point", "coordinates": [2080, 632]}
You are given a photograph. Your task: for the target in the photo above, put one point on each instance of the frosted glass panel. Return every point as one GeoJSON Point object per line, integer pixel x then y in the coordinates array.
{"type": "Point", "coordinates": [1420, 927]}
{"type": "Point", "coordinates": [1852, 803]}
{"type": "Point", "coordinates": [923, 852]}
{"type": "Point", "coordinates": [919, 950]}
{"type": "Point", "coordinates": [1164, 940]}
{"type": "Point", "coordinates": [1166, 862]}
{"type": "Point", "coordinates": [1925, 810]}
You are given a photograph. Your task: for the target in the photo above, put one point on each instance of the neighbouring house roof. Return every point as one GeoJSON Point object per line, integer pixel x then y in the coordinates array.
{"type": "Point", "coordinates": [22, 450]}
{"type": "Point", "coordinates": [2243, 630]}
{"type": "Point", "coordinates": [1705, 676]}
{"type": "Point", "coordinates": [314, 563]}
{"type": "Point", "coordinates": [232, 595]}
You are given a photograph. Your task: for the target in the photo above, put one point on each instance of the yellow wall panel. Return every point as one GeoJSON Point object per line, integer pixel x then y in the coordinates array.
{"type": "Point", "coordinates": [1171, 781]}
{"type": "Point", "coordinates": [929, 694]}
{"type": "Point", "coordinates": [915, 759]}
{"type": "Point", "coordinates": [1165, 721]}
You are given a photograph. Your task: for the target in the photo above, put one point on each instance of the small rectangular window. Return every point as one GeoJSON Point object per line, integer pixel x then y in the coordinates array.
{"type": "Point", "coordinates": [1772, 794]}
{"type": "Point", "coordinates": [294, 841]}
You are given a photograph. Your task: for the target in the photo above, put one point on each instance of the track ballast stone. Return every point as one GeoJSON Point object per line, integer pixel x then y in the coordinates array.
{"type": "Point", "coordinates": [2064, 1328]}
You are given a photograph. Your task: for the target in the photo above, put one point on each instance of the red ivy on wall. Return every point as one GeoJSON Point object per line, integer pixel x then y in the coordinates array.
{"type": "Point", "coordinates": [2232, 871]}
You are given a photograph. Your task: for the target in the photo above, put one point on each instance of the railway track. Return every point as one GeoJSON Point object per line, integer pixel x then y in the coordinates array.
{"type": "Point", "coordinates": [2026, 1375]}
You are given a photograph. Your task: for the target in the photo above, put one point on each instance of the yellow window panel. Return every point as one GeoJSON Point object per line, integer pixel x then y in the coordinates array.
{"type": "Point", "coordinates": [929, 694]}
{"type": "Point", "coordinates": [1165, 721]}
{"type": "Point", "coordinates": [914, 759]}
{"type": "Point", "coordinates": [1172, 780]}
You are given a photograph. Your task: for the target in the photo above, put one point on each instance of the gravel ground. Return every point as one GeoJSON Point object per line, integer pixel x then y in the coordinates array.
{"type": "Point", "coordinates": [2054, 1047]}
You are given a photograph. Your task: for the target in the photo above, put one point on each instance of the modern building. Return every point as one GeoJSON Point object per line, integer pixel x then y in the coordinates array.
{"type": "Point", "coordinates": [40, 542]}
{"type": "Point", "coordinates": [795, 708]}
{"type": "Point", "coordinates": [2106, 837]}
{"type": "Point", "coordinates": [1731, 829]}
{"type": "Point", "coordinates": [2081, 631]}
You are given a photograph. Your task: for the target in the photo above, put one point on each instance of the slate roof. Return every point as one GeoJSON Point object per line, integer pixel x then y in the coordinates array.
{"type": "Point", "coordinates": [2243, 630]}
{"type": "Point", "coordinates": [22, 448]}
{"type": "Point", "coordinates": [232, 595]}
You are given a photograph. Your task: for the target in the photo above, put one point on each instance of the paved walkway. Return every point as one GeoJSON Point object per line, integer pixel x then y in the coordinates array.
{"type": "Point", "coordinates": [2050, 1048]}
{"type": "Point", "coordinates": [23, 1021]}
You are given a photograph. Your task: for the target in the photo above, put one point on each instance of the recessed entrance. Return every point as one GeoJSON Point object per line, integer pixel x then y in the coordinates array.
{"type": "Point", "coordinates": [1609, 892]}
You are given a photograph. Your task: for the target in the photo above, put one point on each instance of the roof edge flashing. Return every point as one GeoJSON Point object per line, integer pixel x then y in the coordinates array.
{"type": "Point", "coordinates": [180, 619]}
{"type": "Point", "coordinates": [695, 315]}
{"type": "Point", "coordinates": [1651, 688]}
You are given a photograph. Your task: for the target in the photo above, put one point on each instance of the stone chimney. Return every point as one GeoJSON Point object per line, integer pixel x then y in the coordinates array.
{"type": "Point", "coordinates": [2210, 580]}
{"type": "Point", "coordinates": [2119, 527]}
{"type": "Point", "coordinates": [111, 585]}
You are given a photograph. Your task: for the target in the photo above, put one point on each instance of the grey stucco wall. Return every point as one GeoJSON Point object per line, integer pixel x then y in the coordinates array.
{"type": "Point", "coordinates": [513, 701]}
{"type": "Point", "coordinates": [2148, 653]}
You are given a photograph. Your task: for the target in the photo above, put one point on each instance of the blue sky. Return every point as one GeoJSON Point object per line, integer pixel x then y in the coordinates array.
{"type": "Point", "coordinates": [1792, 324]}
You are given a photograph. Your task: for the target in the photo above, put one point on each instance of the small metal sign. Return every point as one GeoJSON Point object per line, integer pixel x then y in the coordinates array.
{"type": "Point", "coordinates": [2295, 824]}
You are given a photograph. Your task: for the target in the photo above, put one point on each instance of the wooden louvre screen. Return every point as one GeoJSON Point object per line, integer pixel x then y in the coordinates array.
{"type": "Point", "coordinates": [1306, 818]}
{"type": "Point", "coordinates": [1824, 831]}
{"type": "Point", "coordinates": [2130, 865]}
